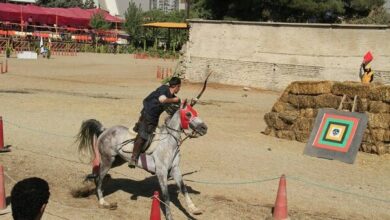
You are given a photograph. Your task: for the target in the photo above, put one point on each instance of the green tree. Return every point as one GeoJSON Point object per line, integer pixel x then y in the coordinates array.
{"type": "Point", "coordinates": [133, 22]}
{"type": "Point", "coordinates": [198, 9]}
{"type": "Point", "coordinates": [376, 16]}
{"type": "Point", "coordinates": [61, 3]}
{"type": "Point", "coordinates": [361, 8]}
{"type": "Point", "coordinates": [284, 10]}
{"type": "Point", "coordinates": [98, 22]}
{"type": "Point", "coordinates": [88, 4]}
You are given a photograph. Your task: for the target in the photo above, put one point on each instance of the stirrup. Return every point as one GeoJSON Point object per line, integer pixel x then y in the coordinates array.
{"type": "Point", "coordinates": [132, 163]}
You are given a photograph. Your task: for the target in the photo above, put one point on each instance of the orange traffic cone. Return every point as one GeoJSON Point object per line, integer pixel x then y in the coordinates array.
{"type": "Point", "coordinates": [1, 133]}
{"type": "Point", "coordinates": [3, 148]}
{"type": "Point", "coordinates": [280, 209]}
{"type": "Point", "coordinates": [155, 211]}
{"type": "Point", "coordinates": [3, 205]}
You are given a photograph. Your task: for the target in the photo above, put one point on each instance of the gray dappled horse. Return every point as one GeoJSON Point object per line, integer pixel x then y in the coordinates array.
{"type": "Point", "coordinates": [110, 143]}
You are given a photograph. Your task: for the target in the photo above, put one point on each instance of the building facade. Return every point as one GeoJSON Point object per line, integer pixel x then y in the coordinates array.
{"type": "Point", "coordinates": [387, 6]}
{"type": "Point", "coordinates": [119, 7]}
{"type": "Point", "coordinates": [21, 1]}
{"type": "Point", "coordinates": [168, 5]}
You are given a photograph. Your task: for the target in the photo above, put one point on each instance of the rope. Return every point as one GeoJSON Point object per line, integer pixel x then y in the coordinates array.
{"type": "Point", "coordinates": [229, 183]}
{"type": "Point", "coordinates": [37, 131]}
{"type": "Point", "coordinates": [156, 197]}
{"type": "Point", "coordinates": [337, 190]}
{"type": "Point", "coordinates": [233, 183]}
{"type": "Point", "coordinates": [71, 161]}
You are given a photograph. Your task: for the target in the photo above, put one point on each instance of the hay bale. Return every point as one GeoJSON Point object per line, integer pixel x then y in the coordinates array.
{"type": "Point", "coordinates": [308, 113]}
{"type": "Point", "coordinates": [284, 96]}
{"type": "Point", "coordinates": [303, 124]}
{"type": "Point", "coordinates": [381, 135]}
{"type": "Point", "coordinates": [302, 136]}
{"type": "Point", "coordinates": [378, 148]}
{"type": "Point", "coordinates": [311, 87]}
{"type": "Point", "coordinates": [289, 117]}
{"type": "Point", "coordinates": [379, 120]}
{"type": "Point", "coordinates": [327, 101]}
{"type": "Point", "coordinates": [378, 107]}
{"type": "Point", "coordinates": [280, 106]}
{"type": "Point", "coordinates": [387, 148]}
{"type": "Point", "coordinates": [367, 136]}
{"type": "Point", "coordinates": [272, 120]}
{"type": "Point", "coordinates": [351, 89]}
{"type": "Point", "coordinates": [362, 105]}
{"type": "Point", "coordinates": [269, 131]}
{"type": "Point", "coordinates": [380, 93]}
{"type": "Point", "coordinates": [302, 101]}
{"type": "Point", "coordinates": [285, 134]}
{"type": "Point", "coordinates": [366, 147]}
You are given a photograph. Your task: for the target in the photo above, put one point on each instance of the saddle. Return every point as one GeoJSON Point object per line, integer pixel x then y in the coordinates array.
{"type": "Point", "coordinates": [148, 147]}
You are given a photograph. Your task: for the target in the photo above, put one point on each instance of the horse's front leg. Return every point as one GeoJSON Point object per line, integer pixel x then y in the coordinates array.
{"type": "Point", "coordinates": [162, 176]}
{"type": "Point", "coordinates": [176, 174]}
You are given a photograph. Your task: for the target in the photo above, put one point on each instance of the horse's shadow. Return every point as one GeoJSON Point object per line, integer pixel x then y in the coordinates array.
{"type": "Point", "coordinates": [146, 188]}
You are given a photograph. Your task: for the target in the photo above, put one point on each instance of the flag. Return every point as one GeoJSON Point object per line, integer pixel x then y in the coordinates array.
{"type": "Point", "coordinates": [367, 57]}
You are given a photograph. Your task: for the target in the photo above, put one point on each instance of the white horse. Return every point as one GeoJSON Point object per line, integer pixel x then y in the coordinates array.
{"type": "Point", "coordinates": [113, 144]}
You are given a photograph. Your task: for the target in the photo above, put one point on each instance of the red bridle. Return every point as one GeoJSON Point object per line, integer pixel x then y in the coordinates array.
{"type": "Point", "coordinates": [187, 115]}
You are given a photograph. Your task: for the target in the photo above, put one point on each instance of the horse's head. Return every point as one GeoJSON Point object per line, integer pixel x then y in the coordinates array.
{"type": "Point", "coordinates": [189, 120]}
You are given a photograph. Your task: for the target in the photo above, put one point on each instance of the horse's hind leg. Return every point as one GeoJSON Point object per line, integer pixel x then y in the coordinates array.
{"type": "Point", "coordinates": [105, 166]}
{"type": "Point", "coordinates": [176, 174]}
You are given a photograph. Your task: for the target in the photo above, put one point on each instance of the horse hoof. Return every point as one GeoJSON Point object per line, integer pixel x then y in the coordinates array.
{"type": "Point", "coordinates": [110, 206]}
{"type": "Point", "coordinates": [196, 211]}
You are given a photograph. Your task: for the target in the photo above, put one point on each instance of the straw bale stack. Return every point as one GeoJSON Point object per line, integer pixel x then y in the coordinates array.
{"type": "Point", "coordinates": [272, 119]}
{"type": "Point", "coordinates": [351, 89]}
{"type": "Point", "coordinates": [280, 106]}
{"type": "Point", "coordinates": [292, 116]}
{"type": "Point", "coordinates": [379, 120]}
{"type": "Point", "coordinates": [302, 101]}
{"type": "Point", "coordinates": [327, 101]}
{"type": "Point", "coordinates": [380, 93]}
{"type": "Point", "coordinates": [378, 107]}
{"type": "Point", "coordinates": [312, 88]}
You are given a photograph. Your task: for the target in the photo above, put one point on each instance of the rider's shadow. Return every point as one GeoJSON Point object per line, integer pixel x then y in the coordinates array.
{"type": "Point", "coordinates": [146, 188]}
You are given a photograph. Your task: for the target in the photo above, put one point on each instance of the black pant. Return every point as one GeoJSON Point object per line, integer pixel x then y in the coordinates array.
{"type": "Point", "coordinates": [145, 126]}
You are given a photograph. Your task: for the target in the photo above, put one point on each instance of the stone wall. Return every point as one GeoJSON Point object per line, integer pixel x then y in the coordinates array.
{"type": "Point", "coordinates": [272, 55]}
{"type": "Point", "coordinates": [293, 115]}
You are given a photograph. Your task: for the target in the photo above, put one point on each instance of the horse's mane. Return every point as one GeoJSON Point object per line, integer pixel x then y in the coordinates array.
{"type": "Point", "coordinates": [171, 119]}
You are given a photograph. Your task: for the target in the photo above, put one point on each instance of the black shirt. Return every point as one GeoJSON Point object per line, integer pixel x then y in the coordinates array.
{"type": "Point", "coordinates": [152, 105]}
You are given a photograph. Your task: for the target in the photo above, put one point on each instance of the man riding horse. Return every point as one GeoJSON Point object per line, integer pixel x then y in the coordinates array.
{"type": "Point", "coordinates": [153, 106]}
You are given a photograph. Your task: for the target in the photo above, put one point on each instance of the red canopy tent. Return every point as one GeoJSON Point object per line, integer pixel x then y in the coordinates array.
{"type": "Point", "coordinates": [72, 17]}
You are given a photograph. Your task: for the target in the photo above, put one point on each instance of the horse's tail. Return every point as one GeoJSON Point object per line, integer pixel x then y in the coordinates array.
{"type": "Point", "coordinates": [89, 132]}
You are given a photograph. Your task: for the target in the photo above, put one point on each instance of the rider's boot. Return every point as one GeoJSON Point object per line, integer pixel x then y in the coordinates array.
{"type": "Point", "coordinates": [138, 143]}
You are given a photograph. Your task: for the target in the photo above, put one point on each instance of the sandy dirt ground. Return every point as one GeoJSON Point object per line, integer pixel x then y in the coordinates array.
{"type": "Point", "coordinates": [231, 173]}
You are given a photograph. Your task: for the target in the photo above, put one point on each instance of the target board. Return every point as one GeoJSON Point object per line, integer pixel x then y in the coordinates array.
{"type": "Point", "coordinates": [336, 135]}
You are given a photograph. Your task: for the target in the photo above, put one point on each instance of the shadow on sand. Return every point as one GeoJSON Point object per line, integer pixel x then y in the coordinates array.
{"type": "Point", "coordinates": [146, 188]}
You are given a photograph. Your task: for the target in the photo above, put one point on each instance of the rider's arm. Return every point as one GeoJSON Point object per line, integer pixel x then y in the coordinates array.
{"type": "Point", "coordinates": [164, 99]}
